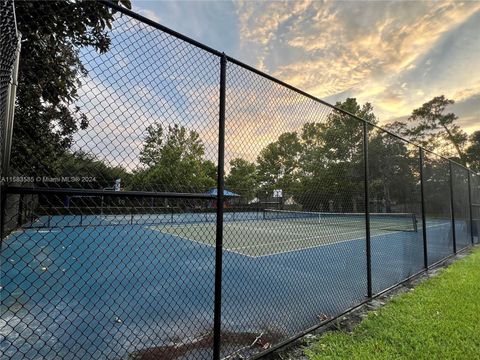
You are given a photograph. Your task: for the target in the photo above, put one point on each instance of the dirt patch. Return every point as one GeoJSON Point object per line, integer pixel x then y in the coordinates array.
{"type": "Point", "coordinates": [243, 345]}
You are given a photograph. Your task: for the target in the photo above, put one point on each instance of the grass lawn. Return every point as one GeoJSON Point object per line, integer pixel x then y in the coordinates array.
{"type": "Point", "coordinates": [439, 319]}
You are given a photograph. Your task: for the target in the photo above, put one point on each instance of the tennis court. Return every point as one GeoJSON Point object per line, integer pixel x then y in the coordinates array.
{"type": "Point", "coordinates": [165, 265]}
{"type": "Point", "coordinates": [253, 234]}
{"type": "Point", "coordinates": [278, 231]}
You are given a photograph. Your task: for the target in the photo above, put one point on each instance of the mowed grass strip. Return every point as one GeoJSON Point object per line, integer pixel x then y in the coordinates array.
{"type": "Point", "coordinates": [439, 319]}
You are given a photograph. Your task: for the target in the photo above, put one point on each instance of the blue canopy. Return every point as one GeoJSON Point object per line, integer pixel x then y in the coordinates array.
{"type": "Point", "coordinates": [226, 193]}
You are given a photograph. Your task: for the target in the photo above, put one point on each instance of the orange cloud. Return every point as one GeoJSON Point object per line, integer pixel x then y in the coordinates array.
{"type": "Point", "coordinates": [361, 48]}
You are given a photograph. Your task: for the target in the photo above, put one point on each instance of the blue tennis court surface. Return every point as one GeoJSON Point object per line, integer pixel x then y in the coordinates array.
{"type": "Point", "coordinates": [98, 291]}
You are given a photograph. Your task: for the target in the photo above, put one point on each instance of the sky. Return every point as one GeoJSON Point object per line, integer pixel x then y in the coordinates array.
{"type": "Point", "coordinates": [396, 55]}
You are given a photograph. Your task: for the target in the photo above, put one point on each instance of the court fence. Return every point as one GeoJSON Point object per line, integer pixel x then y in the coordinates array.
{"type": "Point", "coordinates": [161, 199]}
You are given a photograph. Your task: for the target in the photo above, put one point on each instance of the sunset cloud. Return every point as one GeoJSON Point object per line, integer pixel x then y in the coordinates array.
{"type": "Point", "coordinates": [363, 48]}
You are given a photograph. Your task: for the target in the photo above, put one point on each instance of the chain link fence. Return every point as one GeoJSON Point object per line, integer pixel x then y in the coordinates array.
{"type": "Point", "coordinates": [166, 201]}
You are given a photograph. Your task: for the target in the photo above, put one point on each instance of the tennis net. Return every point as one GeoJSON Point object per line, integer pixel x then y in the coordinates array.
{"type": "Point", "coordinates": [379, 221]}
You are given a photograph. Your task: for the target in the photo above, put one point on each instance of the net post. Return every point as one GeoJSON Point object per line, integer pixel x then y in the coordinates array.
{"type": "Point", "coordinates": [424, 221]}
{"type": "Point", "coordinates": [470, 208]}
{"type": "Point", "coordinates": [367, 211]}
{"type": "Point", "coordinates": [452, 207]}
{"type": "Point", "coordinates": [219, 230]}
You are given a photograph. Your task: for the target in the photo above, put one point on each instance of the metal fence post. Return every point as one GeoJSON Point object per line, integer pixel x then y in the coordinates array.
{"type": "Point", "coordinates": [452, 206]}
{"type": "Point", "coordinates": [424, 225]}
{"type": "Point", "coordinates": [367, 211]}
{"type": "Point", "coordinates": [12, 93]}
{"type": "Point", "coordinates": [219, 235]}
{"type": "Point", "coordinates": [8, 133]}
{"type": "Point", "coordinates": [470, 207]}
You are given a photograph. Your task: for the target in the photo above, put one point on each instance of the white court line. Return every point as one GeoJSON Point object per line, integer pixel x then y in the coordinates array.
{"type": "Point", "coordinates": [314, 246]}
{"type": "Point", "coordinates": [201, 243]}
{"type": "Point", "coordinates": [280, 230]}
{"type": "Point", "coordinates": [443, 224]}
{"type": "Point", "coordinates": [48, 231]}
{"type": "Point", "coordinates": [301, 239]}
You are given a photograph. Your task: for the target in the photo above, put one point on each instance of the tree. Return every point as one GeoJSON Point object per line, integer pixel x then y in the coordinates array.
{"type": "Point", "coordinates": [343, 133]}
{"type": "Point", "coordinates": [393, 173]}
{"type": "Point", "coordinates": [50, 72]}
{"type": "Point", "coordinates": [242, 178]}
{"type": "Point", "coordinates": [332, 159]}
{"type": "Point", "coordinates": [473, 151]}
{"type": "Point", "coordinates": [173, 160]}
{"type": "Point", "coordinates": [95, 173]}
{"type": "Point", "coordinates": [152, 147]}
{"type": "Point", "coordinates": [323, 163]}
{"type": "Point", "coordinates": [436, 130]}
{"type": "Point", "coordinates": [278, 163]}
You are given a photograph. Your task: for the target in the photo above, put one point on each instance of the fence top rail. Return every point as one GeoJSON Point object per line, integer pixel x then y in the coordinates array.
{"type": "Point", "coordinates": [213, 51]}
{"type": "Point", "coordinates": [99, 192]}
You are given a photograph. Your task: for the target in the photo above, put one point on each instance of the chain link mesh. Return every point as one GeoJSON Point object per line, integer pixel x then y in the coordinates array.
{"type": "Point", "coordinates": [461, 206]}
{"type": "Point", "coordinates": [475, 198]}
{"type": "Point", "coordinates": [293, 267]}
{"type": "Point", "coordinates": [394, 189]}
{"type": "Point", "coordinates": [110, 223]}
{"type": "Point", "coordinates": [437, 207]}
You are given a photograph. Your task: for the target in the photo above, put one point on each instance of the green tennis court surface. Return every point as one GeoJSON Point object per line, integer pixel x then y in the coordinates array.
{"type": "Point", "coordinates": [269, 237]}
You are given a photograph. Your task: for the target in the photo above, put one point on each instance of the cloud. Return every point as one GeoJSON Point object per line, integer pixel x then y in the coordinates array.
{"type": "Point", "coordinates": [365, 49]}
{"type": "Point", "coordinates": [467, 93]}
{"type": "Point", "coordinates": [467, 110]}
{"type": "Point", "coordinates": [444, 69]}
{"type": "Point", "coordinates": [261, 23]}
{"type": "Point", "coordinates": [150, 14]}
